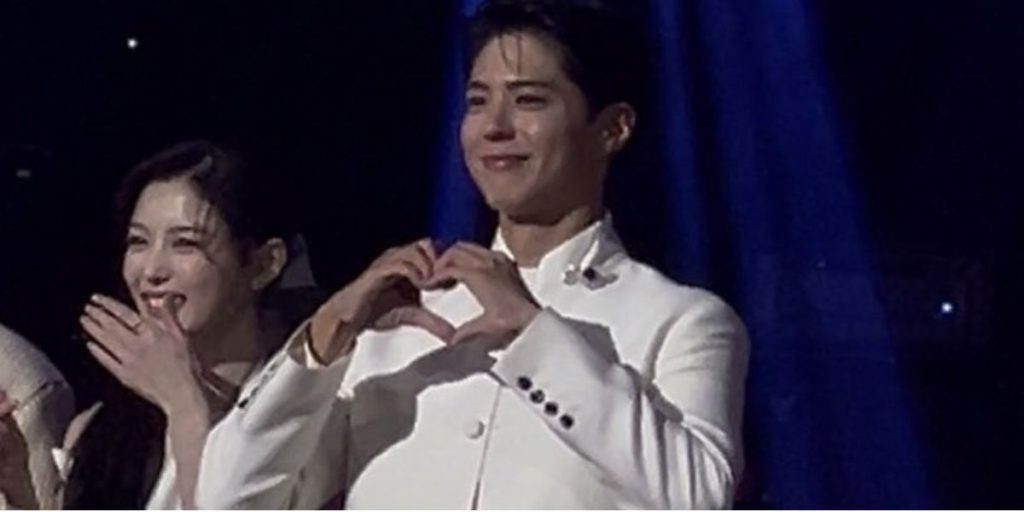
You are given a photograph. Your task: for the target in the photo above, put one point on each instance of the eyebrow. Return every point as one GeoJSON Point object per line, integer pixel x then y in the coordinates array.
{"type": "Point", "coordinates": [175, 229]}
{"type": "Point", "coordinates": [187, 229]}
{"type": "Point", "coordinates": [513, 84]}
{"type": "Point", "coordinates": [520, 84]}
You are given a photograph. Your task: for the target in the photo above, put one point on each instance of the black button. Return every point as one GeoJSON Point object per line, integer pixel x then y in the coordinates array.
{"type": "Point", "coordinates": [589, 274]}
{"type": "Point", "coordinates": [566, 421]}
{"type": "Point", "coordinates": [524, 383]}
{"type": "Point", "coordinates": [537, 396]}
{"type": "Point", "coordinates": [551, 408]}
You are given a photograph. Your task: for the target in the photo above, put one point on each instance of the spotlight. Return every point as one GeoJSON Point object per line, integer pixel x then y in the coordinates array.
{"type": "Point", "coordinates": [947, 308]}
{"type": "Point", "coordinates": [132, 43]}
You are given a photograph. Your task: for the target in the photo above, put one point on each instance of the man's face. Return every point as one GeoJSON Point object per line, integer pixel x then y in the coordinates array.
{"type": "Point", "coordinates": [526, 137]}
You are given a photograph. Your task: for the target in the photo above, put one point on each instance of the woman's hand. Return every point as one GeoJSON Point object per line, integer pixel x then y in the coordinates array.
{"type": "Point", "coordinates": [149, 354]}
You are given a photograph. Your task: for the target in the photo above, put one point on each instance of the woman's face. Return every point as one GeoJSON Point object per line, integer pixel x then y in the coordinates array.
{"type": "Point", "coordinates": [179, 249]}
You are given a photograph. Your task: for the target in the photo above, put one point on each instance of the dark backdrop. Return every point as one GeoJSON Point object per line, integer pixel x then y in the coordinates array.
{"type": "Point", "coordinates": [846, 173]}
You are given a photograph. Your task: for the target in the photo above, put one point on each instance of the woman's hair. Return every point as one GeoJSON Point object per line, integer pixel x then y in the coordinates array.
{"type": "Point", "coordinates": [241, 192]}
{"type": "Point", "coordinates": [119, 455]}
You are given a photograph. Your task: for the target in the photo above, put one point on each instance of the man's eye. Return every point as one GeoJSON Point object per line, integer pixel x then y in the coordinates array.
{"type": "Point", "coordinates": [531, 100]}
{"type": "Point", "coordinates": [476, 101]}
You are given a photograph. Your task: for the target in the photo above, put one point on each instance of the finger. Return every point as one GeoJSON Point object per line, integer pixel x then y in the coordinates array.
{"type": "Point", "coordinates": [127, 316]}
{"type": "Point", "coordinates": [419, 317]}
{"type": "Point", "coordinates": [106, 320]}
{"type": "Point", "coordinates": [469, 330]}
{"type": "Point", "coordinates": [426, 246]}
{"type": "Point", "coordinates": [417, 255]}
{"type": "Point", "coordinates": [452, 274]}
{"type": "Point", "coordinates": [106, 361]}
{"type": "Point", "coordinates": [100, 335]}
{"type": "Point", "coordinates": [466, 255]}
{"type": "Point", "coordinates": [428, 255]}
{"type": "Point", "coordinates": [455, 257]}
{"type": "Point", "coordinates": [450, 254]}
{"type": "Point", "coordinates": [399, 269]}
{"type": "Point", "coordinates": [477, 250]}
{"type": "Point", "coordinates": [165, 314]}
{"type": "Point", "coordinates": [407, 253]}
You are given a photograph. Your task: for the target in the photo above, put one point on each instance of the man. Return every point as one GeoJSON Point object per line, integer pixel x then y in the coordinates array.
{"type": "Point", "coordinates": [36, 405]}
{"type": "Point", "coordinates": [550, 371]}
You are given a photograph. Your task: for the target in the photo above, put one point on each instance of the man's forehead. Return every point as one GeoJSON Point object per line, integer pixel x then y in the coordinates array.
{"type": "Point", "coordinates": [518, 56]}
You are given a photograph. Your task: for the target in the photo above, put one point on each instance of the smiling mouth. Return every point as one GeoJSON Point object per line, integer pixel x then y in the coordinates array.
{"type": "Point", "coordinates": [504, 162]}
{"type": "Point", "coordinates": [159, 299]}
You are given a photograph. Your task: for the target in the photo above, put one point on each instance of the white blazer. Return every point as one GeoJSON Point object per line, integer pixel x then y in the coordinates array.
{"type": "Point", "coordinates": [626, 391]}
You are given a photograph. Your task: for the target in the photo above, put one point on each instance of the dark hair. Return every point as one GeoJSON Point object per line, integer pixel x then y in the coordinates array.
{"type": "Point", "coordinates": [120, 453]}
{"type": "Point", "coordinates": [601, 48]}
{"type": "Point", "coordinates": [240, 191]}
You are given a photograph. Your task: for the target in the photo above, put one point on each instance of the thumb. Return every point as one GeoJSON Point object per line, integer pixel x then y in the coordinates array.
{"type": "Point", "coordinates": [474, 327]}
{"type": "Point", "coordinates": [417, 316]}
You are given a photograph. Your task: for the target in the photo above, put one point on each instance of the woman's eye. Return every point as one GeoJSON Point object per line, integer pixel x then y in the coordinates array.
{"type": "Point", "coordinates": [185, 243]}
{"type": "Point", "coordinates": [134, 241]}
{"type": "Point", "coordinates": [476, 101]}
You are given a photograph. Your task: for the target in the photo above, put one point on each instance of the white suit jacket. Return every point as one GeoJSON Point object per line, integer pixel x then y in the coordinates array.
{"type": "Point", "coordinates": [625, 391]}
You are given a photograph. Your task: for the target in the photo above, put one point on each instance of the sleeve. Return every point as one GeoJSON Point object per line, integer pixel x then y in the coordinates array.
{"type": "Point", "coordinates": [671, 442]}
{"type": "Point", "coordinates": [43, 419]}
{"type": "Point", "coordinates": [282, 446]}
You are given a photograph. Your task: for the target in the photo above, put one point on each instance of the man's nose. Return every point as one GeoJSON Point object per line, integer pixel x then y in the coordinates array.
{"type": "Point", "coordinates": [499, 122]}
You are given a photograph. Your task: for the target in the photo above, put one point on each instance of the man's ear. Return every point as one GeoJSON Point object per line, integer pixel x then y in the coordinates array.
{"type": "Point", "coordinates": [269, 260]}
{"type": "Point", "coordinates": [616, 123]}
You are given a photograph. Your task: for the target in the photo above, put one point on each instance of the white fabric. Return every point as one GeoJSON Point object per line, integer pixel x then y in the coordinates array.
{"type": "Point", "coordinates": [651, 374]}
{"type": "Point", "coordinates": [46, 405]}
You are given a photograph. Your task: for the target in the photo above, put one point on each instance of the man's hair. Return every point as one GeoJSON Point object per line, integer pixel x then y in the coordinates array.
{"type": "Point", "coordinates": [601, 49]}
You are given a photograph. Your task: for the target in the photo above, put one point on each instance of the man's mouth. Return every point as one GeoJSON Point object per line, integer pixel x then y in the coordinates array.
{"type": "Point", "coordinates": [504, 162]}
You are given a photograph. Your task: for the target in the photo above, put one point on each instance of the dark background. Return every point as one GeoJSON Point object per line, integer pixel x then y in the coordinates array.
{"type": "Point", "coordinates": [346, 99]}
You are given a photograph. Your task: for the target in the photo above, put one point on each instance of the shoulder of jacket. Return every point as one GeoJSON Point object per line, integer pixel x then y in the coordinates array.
{"type": "Point", "coordinates": [661, 294]}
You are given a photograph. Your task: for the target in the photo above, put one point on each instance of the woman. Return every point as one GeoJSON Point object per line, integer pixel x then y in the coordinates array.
{"type": "Point", "coordinates": [201, 253]}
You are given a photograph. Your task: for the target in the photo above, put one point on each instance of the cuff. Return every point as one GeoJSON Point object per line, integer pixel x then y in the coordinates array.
{"type": "Point", "coordinates": [554, 368]}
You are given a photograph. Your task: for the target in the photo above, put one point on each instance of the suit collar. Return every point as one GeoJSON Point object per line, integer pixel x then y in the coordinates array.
{"type": "Point", "coordinates": [595, 248]}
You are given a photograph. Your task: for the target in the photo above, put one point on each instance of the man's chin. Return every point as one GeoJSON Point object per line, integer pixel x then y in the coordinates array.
{"type": "Point", "coordinates": [504, 204]}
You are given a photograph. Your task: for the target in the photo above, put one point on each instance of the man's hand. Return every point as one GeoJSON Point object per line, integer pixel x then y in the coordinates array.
{"type": "Point", "coordinates": [495, 282]}
{"type": "Point", "coordinates": [385, 296]}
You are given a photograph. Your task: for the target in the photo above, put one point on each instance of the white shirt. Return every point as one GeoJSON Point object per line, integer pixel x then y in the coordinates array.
{"type": "Point", "coordinates": [625, 391]}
